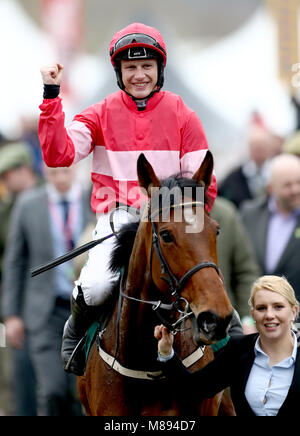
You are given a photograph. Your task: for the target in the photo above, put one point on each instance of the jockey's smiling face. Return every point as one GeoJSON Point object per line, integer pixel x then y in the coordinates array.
{"type": "Point", "coordinates": [139, 76]}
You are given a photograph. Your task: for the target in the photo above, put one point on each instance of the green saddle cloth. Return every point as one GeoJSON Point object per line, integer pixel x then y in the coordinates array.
{"type": "Point", "coordinates": [89, 338]}
{"type": "Point", "coordinates": [100, 324]}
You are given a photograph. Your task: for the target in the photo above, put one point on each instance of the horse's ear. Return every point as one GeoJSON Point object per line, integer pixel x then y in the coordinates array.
{"type": "Point", "coordinates": [204, 173]}
{"type": "Point", "coordinates": [146, 175]}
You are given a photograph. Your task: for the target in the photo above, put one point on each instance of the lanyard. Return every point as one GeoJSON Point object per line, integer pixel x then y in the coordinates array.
{"type": "Point", "coordinates": [65, 229]}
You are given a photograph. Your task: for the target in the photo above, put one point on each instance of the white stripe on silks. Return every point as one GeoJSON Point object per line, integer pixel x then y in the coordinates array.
{"type": "Point", "coordinates": [81, 138]}
{"type": "Point", "coordinates": [191, 161]}
{"type": "Point", "coordinates": [121, 165]}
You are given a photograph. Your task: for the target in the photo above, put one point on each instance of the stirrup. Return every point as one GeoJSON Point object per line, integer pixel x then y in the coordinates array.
{"type": "Point", "coordinates": [74, 352]}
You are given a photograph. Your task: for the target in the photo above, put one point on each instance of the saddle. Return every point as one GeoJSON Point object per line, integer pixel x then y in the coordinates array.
{"type": "Point", "coordinates": [98, 326]}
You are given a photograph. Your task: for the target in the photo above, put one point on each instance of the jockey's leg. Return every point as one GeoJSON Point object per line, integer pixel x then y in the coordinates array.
{"type": "Point", "coordinates": [92, 289]}
{"type": "Point", "coordinates": [75, 329]}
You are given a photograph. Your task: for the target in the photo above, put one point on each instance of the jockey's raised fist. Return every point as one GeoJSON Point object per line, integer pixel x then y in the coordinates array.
{"type": "Point", "coordinates": [52, 74]}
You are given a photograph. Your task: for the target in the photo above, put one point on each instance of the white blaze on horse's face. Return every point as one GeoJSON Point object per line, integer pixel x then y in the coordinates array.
{"type": "Point", "coordinates": [194, 217]}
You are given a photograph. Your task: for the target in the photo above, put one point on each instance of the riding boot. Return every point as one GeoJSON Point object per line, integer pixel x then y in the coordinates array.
{"type": "Point", "coordinates": [73, 337]}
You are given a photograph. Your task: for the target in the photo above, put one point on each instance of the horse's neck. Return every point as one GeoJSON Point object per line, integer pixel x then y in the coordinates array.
{"type": "Point", "coordinates": [137, 326]}
{"type": "Point", "coordinates": [135, 330]}
{"type": "Point", "coordinates": [136, 323]}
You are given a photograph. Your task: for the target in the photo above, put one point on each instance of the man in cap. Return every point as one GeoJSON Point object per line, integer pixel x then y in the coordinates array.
{"type": "Point", "coordinates": [16, 175]}
{"type": "Point", "coordinates": [140, 118]}
{"type": "Point", "coordinates": [46, 222]}
{"type": "Point", "coordinates": [292, 144]}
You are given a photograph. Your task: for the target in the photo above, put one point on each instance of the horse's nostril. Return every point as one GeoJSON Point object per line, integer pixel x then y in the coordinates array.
{"type": "Point", "coordinates": [208, 326]}
{"type": "Point", "coordinates": [207, 321]}
{"type": "Point", "coordinates": [213, 325]}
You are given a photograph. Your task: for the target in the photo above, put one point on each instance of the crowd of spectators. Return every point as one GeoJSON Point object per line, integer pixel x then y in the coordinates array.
{"type": "Point", "coordinates": [258, 209]}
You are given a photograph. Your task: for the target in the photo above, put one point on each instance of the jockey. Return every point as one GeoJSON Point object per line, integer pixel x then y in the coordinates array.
{"type": "Point", "coordinates": [138, 118]}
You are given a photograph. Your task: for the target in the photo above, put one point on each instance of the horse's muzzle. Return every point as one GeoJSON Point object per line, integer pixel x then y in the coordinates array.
{"type": "Point", "coordinates": [211, 327]}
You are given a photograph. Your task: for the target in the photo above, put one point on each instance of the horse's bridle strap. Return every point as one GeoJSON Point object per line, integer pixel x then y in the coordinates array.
{"type": "Point", "coordinates": [194, 357]}
{"type": "Point", "coordinates": [145, 375]}
{"type": "Point", "coordinates": [153, 214]}
{"type": "Point", "coordinates": [175, 285]}
{"type": "Point", "coordinates": [157, 304]}
{"type": "Point", "coordinates": [182, 282]}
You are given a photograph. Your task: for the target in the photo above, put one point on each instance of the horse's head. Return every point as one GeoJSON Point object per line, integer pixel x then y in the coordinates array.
{"type": "Point", "coordinates": [181, 253]}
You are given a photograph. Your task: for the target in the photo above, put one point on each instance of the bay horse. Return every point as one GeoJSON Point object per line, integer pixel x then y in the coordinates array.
{"type": "Point", "coordinates": [171, 277]}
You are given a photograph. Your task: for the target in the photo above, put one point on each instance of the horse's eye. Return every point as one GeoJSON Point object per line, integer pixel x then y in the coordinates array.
{"type": "Point", "coordinates": [218, 230]}
{"type": "Point", "coordinates": [166, 236]}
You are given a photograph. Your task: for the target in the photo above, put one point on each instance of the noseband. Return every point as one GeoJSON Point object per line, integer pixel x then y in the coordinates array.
{"type": "Point", "coordinates": [176, 285]}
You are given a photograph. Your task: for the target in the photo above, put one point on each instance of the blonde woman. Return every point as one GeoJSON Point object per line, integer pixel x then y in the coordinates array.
{"type": "Point", "coordinates": [262, 369]}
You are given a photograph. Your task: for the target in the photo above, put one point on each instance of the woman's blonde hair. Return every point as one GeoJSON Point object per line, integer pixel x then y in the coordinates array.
{"type": "Point", "coordinates": [277, 284]}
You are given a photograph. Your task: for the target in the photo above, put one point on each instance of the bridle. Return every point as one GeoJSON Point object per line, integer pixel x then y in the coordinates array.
{"type": "Point", "coordinates": [175, 285]}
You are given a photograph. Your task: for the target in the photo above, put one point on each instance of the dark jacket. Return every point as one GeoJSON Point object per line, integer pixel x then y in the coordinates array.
{"type": "Point", "coordinates": [236, 257]}
{"type": "Point", "coordinates": [235, 187]}
{"type": "Point", "coordinates": [29, 245]}
{"type": "Point", "coordinates": [231, 368]}
{"type": "Point", "coordinates": [255, 215]}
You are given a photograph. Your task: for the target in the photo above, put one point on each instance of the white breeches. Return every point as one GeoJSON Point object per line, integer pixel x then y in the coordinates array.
{"type": "Point", "coordinates": [95, 277]}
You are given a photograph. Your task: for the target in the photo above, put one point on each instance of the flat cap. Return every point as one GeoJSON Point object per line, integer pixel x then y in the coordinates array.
{"type": "Point", "coordinates": [292, 144]}
{"type": "Point", "coordinates": [14, 155]}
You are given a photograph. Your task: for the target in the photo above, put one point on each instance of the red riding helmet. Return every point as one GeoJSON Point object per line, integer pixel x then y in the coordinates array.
{"type": "Point", "coordinates": [138, 41]}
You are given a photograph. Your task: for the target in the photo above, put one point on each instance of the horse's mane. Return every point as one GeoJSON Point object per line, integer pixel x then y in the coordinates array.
{"type": "Point", "coordinates": [123, 247]}
{"type": "Point", "coordinates": [126, 236]}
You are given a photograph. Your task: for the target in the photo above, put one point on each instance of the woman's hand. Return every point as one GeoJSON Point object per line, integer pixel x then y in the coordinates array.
{"type": "Point", "coordinates": [165, 340]}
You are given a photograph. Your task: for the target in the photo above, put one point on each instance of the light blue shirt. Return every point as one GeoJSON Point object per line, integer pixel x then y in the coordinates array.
{"type": "Point", "coordinates": [161, 358]}
{"type": "Point", "coordinates": [267, 386]}
{"type": "Point", "coordinates": [280, 229]}
{"type": "Point", "coordinates": [256, 176]}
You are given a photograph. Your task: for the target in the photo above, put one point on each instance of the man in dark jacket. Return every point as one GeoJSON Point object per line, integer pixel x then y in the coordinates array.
{"type": "Point", "coordinates": [273, 222]}
{"type": "Point", "coordinates": [236, 257]}
{"type": "Point", "coordinates": [247, 181]}
{"type": "Point", "coordinates": [16, 175]}
{"type": "Point", "coordinates": [36, 309]}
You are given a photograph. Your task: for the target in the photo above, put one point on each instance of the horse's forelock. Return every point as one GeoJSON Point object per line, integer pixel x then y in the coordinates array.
{"type": "Point", "coordinates": [180, 181]}
{"type": "Point", "coordinates": [124, 244]}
